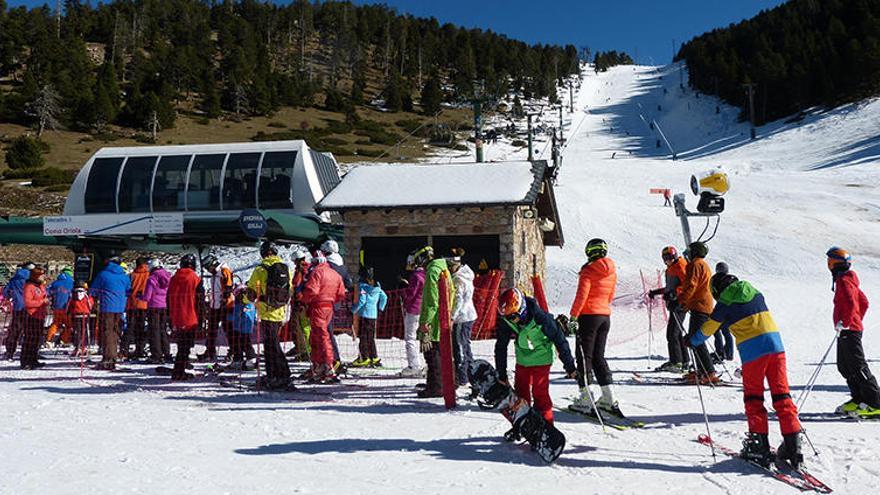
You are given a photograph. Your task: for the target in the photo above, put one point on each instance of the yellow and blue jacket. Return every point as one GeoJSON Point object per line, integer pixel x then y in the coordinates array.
{"type": "Point", "coordinates": [742, 310]}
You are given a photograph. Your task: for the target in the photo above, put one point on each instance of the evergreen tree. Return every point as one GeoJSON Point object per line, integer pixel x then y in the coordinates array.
{"type": "Point", "coordinates": [25, 152]}
{"type": "Point", "coordinates": [432, 96]}
{"type": "Point", "coordinates": [394, 93]}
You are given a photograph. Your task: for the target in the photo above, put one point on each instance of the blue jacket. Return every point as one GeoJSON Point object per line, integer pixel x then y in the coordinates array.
{"type": "Point", "coordinates": [371, 300]}
{"type": "Point", "coordinates": [110, 289]}
{"type": "Point", "coordinates": [14, 289]}
{"type": "Point", "coordinates": [243, 318]}
{"type": "Point", "coordinates": [60, 291]}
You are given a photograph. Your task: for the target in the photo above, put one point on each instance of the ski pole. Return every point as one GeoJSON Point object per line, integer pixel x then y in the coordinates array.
{"type": "Point", "coordinates": [583, 378]}
{"type": "Point", "coordinates": [815, 376]}
{"type": "Point", "coordinates": [703, 405]}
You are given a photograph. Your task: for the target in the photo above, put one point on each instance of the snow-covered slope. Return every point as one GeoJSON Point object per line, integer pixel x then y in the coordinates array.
{"type": "Point", "coordinates": [795, 191]}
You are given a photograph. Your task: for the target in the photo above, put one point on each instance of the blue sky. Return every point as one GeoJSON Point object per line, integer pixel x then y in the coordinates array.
{"type": "Point", "coordinates": [640, 27]}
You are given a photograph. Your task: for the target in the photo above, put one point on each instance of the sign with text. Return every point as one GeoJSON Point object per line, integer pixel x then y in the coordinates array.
{"type": "Point", "coordinates": [114, 224]}
{"type": "Point", "coordinates": [253, 223]}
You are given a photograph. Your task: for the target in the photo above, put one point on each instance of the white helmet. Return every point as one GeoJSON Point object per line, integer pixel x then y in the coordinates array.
{"type": "Point", "coordinates": [299, 252]}
{"type": "Point", "coordinates": [154, 263]}
{"type": "Point", "coordinates": [330, 247]}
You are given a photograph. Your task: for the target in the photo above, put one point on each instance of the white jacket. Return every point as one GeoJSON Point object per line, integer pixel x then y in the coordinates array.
{"type": "Point", "coordinates": [463, 310]}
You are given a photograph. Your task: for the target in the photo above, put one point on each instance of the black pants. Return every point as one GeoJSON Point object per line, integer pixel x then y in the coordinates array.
{"type": "Point", "coordinates": [592, 336]}
{"type": "Point", "coordinates": [159, 344]}
{"type": "Point", "coordinates": [852, 365]}
{"type": "Point", "coordinates": [33, 336]}
{"type": "Point", "coordinates": [675, 337]}
{"type": "Point", "coordinates": [216, 318]}
{"type": "Point", "coordinates": [432, 359]}
{"type": "Point", "coordinates": [704, 358]}
{"type": "Point", "coordinates": [186, 338]}
{"type": "Point", "coordinates": [15, 327]}
{"type": "Point", "coordinates": [277, 368]}
{"type": "Point", "coordinates": [81, 332]}
{"type": "Point", "coordinates": [367, 338]}
{"type": "Point", "coordinates": [136, 333]}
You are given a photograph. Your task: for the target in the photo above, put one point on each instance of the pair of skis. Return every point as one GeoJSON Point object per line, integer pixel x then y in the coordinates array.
{"type": "Point", "coordinates": [618, 422]}
{"type": "Point", "coordinates": [798, 478]}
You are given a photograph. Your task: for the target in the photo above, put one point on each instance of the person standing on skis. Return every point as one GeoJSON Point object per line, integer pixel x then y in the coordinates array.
{"type": "Point", "coordinates": [36, 304]}
{"type": "Point", "coordinates": [464, 314]}
{"type": "Point", "coordinates": [534, 333]}
{"type": "Point", "coordinates": [185, 296]}
{"type": "Point", "coordinates": [14, 291]}
{"type": "Point", "coordinates": [371, 300]}
{"type": "Point", "coordinates": [429, 318]}
{"type": "Point", "coordinates": [676, 267]}
{"type": "Point", "coordinates": [591, 315]}
{"type": "Point", "coordinates": [220, 302]}
{"type": "Point", "coordinates": [742, 309]}
{"type": "Point", "coordinates": [696, 298]}
{"type": "Point", "coordinates": [270, 289]}
{"type": "Point", "coordinates": [412, 306]}
{"type": "Point", "coordinates": [323, 290]}
{"type": "Point", "coordinates": [850, 306]}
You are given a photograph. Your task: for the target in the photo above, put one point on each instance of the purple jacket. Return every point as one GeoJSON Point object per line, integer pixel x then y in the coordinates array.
{"type": "Point", "coordinates": [156, 291]}
{"type": "Point", "coordinates": [412, 296]}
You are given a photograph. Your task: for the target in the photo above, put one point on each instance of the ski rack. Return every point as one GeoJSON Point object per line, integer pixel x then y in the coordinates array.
{"type": "Point", "coordinates": [684, 214]}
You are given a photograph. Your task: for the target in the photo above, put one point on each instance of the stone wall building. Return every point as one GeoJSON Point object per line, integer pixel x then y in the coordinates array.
{"type": "Point", "coordinates": [503, 214]}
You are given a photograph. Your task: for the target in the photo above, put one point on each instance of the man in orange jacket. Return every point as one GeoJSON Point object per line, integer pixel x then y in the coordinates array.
{"type": "Point", "coordinates": [185, 294]}
{"type": "Point", "coordinates": [136, 310]}
{"type": "Point", "coordinates": [36, 304]}
{"type": "Point", "coordinates": [696, 298]}
{"type": "Point", "coordinates": [676, 270]}
{"type": "Point", "coordinates": [592, 311]}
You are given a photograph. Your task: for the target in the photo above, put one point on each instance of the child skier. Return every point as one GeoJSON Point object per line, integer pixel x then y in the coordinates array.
{"type": "Point", "coordinates": [371, 300]}
{"type": "Point", "coordinates": [79, 308]}
{"type": "Point", "coordinates": [742, 309]}
{"type": "Point", "coordinates": [242, 320]}
{"type": "Point", "coordinates": [534, 333]}
{"type": "Point", "coordinates": [850, 306]}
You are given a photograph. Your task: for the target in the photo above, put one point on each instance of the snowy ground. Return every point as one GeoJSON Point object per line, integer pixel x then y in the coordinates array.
{"type": "Point", "coordinates": [794, 193]}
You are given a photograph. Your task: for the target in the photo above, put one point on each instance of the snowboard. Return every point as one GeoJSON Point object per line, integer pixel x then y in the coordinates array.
{"type": "Point", "coordinates": [527, 423]}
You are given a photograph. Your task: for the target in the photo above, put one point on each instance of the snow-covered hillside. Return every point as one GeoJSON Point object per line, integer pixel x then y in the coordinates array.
{"type": "Point", "coordinates": [795, 191]}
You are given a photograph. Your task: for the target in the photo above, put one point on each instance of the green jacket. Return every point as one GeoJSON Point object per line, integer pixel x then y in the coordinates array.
{"type": "Point", "coordinates": [257, 282]}
{"type": "Point", "coordinates": [431, 296]}
{"type": "Point", "coordinates": [533, 340]}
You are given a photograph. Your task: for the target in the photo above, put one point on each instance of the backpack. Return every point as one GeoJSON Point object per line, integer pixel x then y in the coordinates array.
{"type": "Point", "coordinates": [277, 285]}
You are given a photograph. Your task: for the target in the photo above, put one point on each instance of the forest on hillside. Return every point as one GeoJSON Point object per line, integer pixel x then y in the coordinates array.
{"type": "Point", "coordinates": [800, 54]}
{"type": "Point", "coordinates": [139, 63]}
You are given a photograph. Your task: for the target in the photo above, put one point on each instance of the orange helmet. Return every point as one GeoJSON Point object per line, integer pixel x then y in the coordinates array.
{"type": "Point", "coordinates": [669, 254]}
{"type": "Point", "coordinates": [838, 258]}
{"type": "Point", "coordinates": [512, 303]}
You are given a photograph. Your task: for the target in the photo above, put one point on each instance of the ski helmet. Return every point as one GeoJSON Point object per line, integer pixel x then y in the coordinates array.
{"type": "Point", "coordinates": [596, 249]}
{"type": "Point", "coordinates": [268, 248]}
{"type": "Point", "coordinates": [188, 260]}
{"type": "Point", "coordinates": [210, 262]}
{"type": "Point", "coordinates": [721, 268]}
{"type": "Point", "coordinates": [669, 254]}
{"type": "Point", "coordinates": [512, 303]}
{"type": "Point", "coordinates": [330, 247]}
{"type": "Point", "coordinates": [839, 259]}
{"type": "Point", "coordinates": [719, 282]}
{"type": "Point", "coordinates": [154, 264]}
{"type": "Point", "coordinates": [424, 255]}
{"type": "Point", "coordinates": [698, 249]}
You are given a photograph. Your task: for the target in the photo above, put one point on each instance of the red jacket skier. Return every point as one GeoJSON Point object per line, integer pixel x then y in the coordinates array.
{"type": "Point", "coordinates": [850, 306]}
{"type": "Point", "coordinates": [185, 294]}
{"type": "Point", "coordinates": [323, 289]}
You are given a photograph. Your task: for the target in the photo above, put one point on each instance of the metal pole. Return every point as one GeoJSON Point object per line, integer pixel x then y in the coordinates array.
{"type": "Point", "coordinates": [750, 89]}
{"type": "Point", "coordinates": [478, 128]}
{"type": "Point", "coordinates": [815, 376]}
{"type": "Point", "coordinates": [561, 134]}
{"type": "Point", "coordinates": [570, 97]}
{"type": "Point", "coordinates": [682, 213]}
{"type": "Point", "coordinates": [531, 145]}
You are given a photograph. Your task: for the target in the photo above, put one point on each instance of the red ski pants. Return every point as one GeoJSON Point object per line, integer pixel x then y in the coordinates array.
{"type": "Point", "coordinates": [320, 317]}
{"type": "Point", "coordinates": [533, 382]}
{"type": "Point", "coordinates": [771, 367]}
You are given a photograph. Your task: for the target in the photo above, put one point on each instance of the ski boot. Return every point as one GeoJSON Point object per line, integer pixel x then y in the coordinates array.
{"type": "Point", "coordinates": [360, 363]}
{"type": "Point", "coordinates": [427, 393]}
{"type": "Point", "coordinates": [867, 412]}
{"type": "Point", "coordinates": [375, 363]}
{"type": "Point", "coordinates": [512, 435]}
{"type": "Point", "coordinates": [847, 407]}
{"type": "Point", "coordinates": [582, 403]}
{"type": "Point", "coordinates": [670, 367]}
{"type": "Point", "coordinates": [410, 372]}
{"type": "Point", "coordinates": [756, 449]}
{"type": "Point", "coordinates": [790, 450]}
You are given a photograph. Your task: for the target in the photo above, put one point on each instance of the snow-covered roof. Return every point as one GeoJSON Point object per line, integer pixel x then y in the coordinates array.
{"type": "Point", "coordinates": [437, 185]}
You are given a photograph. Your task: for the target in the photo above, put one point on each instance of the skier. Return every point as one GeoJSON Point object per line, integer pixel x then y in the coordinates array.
{"type": "Point", "coordinates": [136, 311]}
{"type": "Point", "coordinates": [371, 300]}
{"type": "Point", "coordinates": [14, 291]}
{"type": "Point", "coordinates": [59, 293]}
{"type": "Point", "coordinates": [109, 290]}
{"type": "Point", "coordinates": [590, 316]}
{"type": "Point", "coordinates": [242, 320]}
{"type": "Point", "coordinates": [723, 338]}
{"type": "Point", "coordinates": [696, 298]}
{"type": "Point", "coordinates": [79, 309]}
{"type": "Point", "coordinates": [322, 291]}
{"type": "Point", "coordinates": [330, 250]}
{"type": "Point", "coordinates": [429, 317]}
{"type": "Point", "coordinates": [464, 314]}
{"type": "Point", "coordinates": [270, 285]}
{"type": "Point", "coordinates": [676, 266]}
{"type": "Point", "coordinates": [36, 303]}
{"type": "Point", "coordinates": [412, 306]}
{"type": "Point", "coordinates": [534, 334]}
{"type": "Point", "coordinates": [185, 294]}
{"type": "Point", "coordinates": [742, 309]}
{"type": "Point", "coordinates": [219, 303]}
{"type": "Point", "coordinates": [299, 321]}
{"type": "Point", "coordinates": [850, 306]}
{"type": "Point", "coordinates": [156, 296]}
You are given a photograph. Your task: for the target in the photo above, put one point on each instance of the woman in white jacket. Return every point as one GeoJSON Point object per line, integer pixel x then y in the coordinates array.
{"type": "Point", "coordinates": [463, 315]}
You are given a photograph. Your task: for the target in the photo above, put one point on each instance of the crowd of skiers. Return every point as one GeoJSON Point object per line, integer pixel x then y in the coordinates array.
{"type": "Point", "coordinates": [150, 301]}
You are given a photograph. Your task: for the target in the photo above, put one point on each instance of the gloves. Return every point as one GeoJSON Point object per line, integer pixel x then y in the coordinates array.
{"type": "Point", "coordinates": [572, 326]}
{"type": "Point", "coordinates": [425, 343]}
{"type": "Point", "coordinates": [562, 321]}
{"type": "Point", "coordinates": [655, 292]}
{"type": "Point", "coordinates": [572, 373]}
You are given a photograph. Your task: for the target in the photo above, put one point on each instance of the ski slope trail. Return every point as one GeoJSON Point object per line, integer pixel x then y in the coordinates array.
{"type": "Point", "coordinates": [795, 191]}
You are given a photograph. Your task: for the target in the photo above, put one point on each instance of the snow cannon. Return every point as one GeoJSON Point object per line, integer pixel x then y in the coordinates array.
{"type": "Point", "coordinates": [710, 186]}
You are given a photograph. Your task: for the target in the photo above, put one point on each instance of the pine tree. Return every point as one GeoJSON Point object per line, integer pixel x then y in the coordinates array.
{"type": "Point", "coordinates": [394, 93]}
{"type": "Point", "coordinates": [432, 96]}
